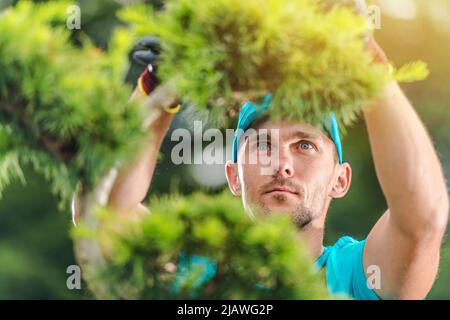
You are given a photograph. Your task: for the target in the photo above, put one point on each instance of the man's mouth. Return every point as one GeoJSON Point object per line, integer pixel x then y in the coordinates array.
{"type": "Point", "coordinates": [282, 190]}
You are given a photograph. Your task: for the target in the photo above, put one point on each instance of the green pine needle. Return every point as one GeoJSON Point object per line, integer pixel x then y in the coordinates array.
{"type": "Point", "coordinates": [66, 106]}
{"type": "Point", "coordinates": [142, 255]}
{"type": "Point", "coordinates": [223, 52]}
{"type": "Point", "coordinates": [411, 72]}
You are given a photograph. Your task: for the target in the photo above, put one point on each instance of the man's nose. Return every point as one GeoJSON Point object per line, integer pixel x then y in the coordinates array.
{"type": "Point", "coordinates": [285, 166]}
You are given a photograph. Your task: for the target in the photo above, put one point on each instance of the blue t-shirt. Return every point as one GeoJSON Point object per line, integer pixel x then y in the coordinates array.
{"type": "Point", "coordinates": [342, 261]}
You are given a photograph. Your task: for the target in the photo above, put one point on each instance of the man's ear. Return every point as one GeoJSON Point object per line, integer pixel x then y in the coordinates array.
{"type": "Point", "coordinates": [342, 182]}
{"type": "Point", "coordinates": [231, 172]}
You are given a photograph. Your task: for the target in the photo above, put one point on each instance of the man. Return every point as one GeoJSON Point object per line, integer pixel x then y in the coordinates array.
{"type": "Point", "coordinates": [403, 246]}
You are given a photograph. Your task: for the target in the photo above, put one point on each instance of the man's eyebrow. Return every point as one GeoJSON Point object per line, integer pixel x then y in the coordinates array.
{"type": "Point", "coordinates": [257, 136]}
{"type": "Point", "coordinates": [266, 136]}
{"type": "Point", "coordinates": [260, 135]}
{"type": "Point", "coordinates": [304, 135]}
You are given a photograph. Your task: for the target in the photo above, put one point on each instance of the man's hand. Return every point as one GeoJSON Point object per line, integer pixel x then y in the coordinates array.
{"type": "Point", "coordinates": [145, 55]}
{"type": "Point", "coordinates": [146, 51]}
{"type": "Point", "coordinates": [405, 243]}
{"type": "Point", "coordinates": [379, 56]}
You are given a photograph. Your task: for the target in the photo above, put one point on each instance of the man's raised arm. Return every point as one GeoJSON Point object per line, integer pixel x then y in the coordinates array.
{"type": "Point", "coordinates": [133, 181]}
{"type": "Point", "coordinates": [405, 242]}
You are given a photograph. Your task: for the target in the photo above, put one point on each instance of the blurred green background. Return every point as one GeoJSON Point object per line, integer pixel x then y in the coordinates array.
{"type": "Point", "coordinates": [35, 247]}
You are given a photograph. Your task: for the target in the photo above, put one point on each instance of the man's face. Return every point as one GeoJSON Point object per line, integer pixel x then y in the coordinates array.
{"type": "Point", "coordinates": [303, 180]}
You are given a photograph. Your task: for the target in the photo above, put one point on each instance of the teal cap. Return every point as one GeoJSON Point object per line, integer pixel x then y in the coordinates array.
{"type": "Point", "coordinates": [251, 111]}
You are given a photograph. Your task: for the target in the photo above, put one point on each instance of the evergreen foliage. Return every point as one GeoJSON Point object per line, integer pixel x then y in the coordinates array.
{"type": "Point", "coordinates": [262, 259]}
{"type": "Point", "coordinates": [63, 108]}
{"type": "Point", "coordinates": [222, 52]}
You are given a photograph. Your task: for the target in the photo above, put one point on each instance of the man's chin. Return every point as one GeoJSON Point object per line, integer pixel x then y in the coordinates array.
{"type": "Point", "coordinates": [276, 207]}
{"type": "Point", "coordinates": [287, 204]}
{"type": "Point", "coordinates": [281, 200]}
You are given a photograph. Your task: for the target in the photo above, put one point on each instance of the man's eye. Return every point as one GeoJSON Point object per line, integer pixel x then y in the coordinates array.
{"type": "Point", "coordinates": [262, 146]}
{"type": "Point", "coordinates": [306, 146]}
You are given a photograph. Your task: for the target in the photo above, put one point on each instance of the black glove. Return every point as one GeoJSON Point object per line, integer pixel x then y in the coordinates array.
{"type": "Point", "coordinates": [144, 55]}
{"type": "Point", "coordinates": [146, 51]}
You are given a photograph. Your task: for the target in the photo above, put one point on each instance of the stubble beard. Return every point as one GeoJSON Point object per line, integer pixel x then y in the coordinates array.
{"type": "Point", "coordinates": [303, 214]}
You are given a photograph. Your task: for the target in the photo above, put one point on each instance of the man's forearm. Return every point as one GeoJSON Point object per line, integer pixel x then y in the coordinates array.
{"type": "Point", "coordinates": [406, 162]}
{"type": "Point", "coordinates": [133, 181]}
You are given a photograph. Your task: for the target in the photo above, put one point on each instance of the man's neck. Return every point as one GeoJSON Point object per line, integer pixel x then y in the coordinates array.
{"type": "Point", "coordinates": [313, 235]}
